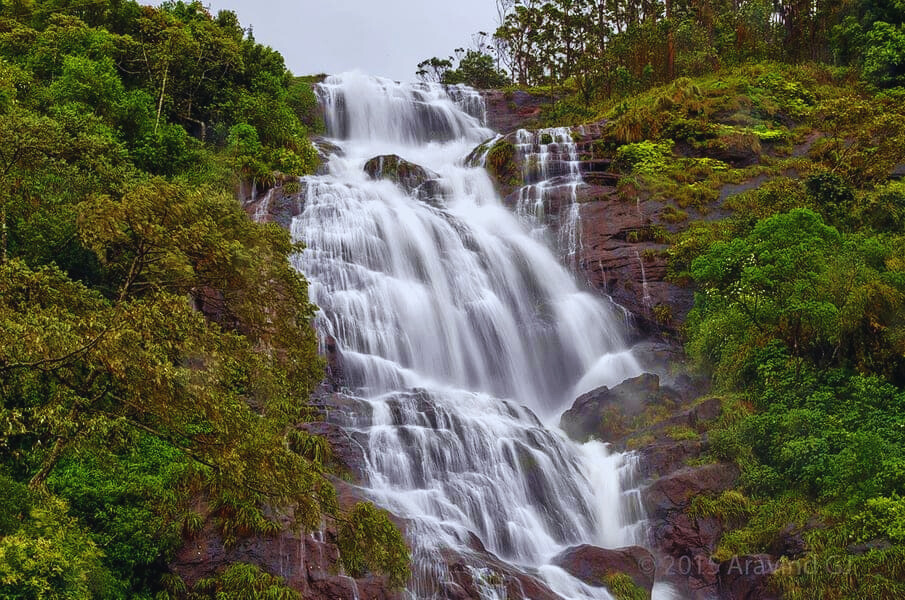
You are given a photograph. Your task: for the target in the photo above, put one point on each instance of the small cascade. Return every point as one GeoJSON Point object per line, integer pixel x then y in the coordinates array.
{"type": "Point", "coordinates": [552, 175]}
{"type": "Point", "coordinates": [263, 207]}
{"type": "Point", "coordinates": [645, 292]}
{"type": "Point", "coordinates": [462, 336]}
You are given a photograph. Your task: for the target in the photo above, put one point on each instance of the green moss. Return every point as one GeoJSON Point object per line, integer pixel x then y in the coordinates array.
{"type": "Point", "coordinates": [671, 214]}
{"type": "Point", "coordinates": [757, 523]}
{"type": "Point", "coordinates": [728, 506]}
{"type": "Point", "coordinates": [501, 163]}
{"type": "Point", "coordinates": [647, 157]}
{"type": "Point", "coordinates": [623, 587]}
{"type": "Point", "coordinates": [681, 432]}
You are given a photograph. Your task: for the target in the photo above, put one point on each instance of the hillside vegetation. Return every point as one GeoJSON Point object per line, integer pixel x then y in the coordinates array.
{"type": "Point", "coordinates": [772, 134]}
{"type": "Point", "coordinates": [156, 350]}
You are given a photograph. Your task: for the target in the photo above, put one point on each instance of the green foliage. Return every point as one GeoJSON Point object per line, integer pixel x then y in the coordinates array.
{"type": "Point", "coordinates": [883, 517]}
{"type": "Point", "coordinates": [884, 55]}
{"type": "Point", "coordinates": [798, 281]}
{"type": "Point", "coordinates": [501, 163]}
{"type": "Point", "coordinates": [51, 556]}
{"type": "Point", "coordinates": [242, 581]}
{"type": "Point", "coordinates": [729, 506]}
{"type": "Point", "coordinates": [883, 209]}
{"type": "Point", "coordinates": [15, 504]}
{"type": "Point", "coordinates": [366, 526]}
{"type": "Point", "coordinates": [805, 321]}
{"type": "Point", "coordinates": [130, 500]}
{"type": "Point", "coordinates": [832, 195]}
{"type": "Point", "coordinates": [156, 348]}
{"type": "Point", "coordinates": [645, 157]}
{"type": "Point", "coordinates": [477, 70]}
{"type": "Point", "coordinates": [754, 524]}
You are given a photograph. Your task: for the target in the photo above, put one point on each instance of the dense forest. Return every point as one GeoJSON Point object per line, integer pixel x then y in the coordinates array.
{"type": "Point", "coordinates": [156, 350]}
{"type": "Point", "coordinates": [617, 47]}
{"type": "Point", "coordinates": [799, 313]}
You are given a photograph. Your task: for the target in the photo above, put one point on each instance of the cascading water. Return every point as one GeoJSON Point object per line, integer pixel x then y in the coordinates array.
{"type": "Point", "coordinates": [461, 333]}
{"type": "Point", "coordinates": [551, 167]}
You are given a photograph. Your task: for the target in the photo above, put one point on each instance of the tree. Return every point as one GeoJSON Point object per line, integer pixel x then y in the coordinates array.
{"type": "Point", "coordinates": [884, 56]}
{"type": "Point", "coordinates": [797, 281]}
{"type": "Point", "coordinates": [477, 70]}
{"type": "Point", "coordinates": [433, 69]}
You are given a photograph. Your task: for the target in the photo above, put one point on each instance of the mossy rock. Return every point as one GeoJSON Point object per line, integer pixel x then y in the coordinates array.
{"type": "Point", "coordinates": [413, 178]}
{"type": "Point", "coordinates": [502, 166]}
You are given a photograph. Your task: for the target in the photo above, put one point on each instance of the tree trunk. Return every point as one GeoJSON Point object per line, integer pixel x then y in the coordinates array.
{"type": "Point", "coordinates": [163, 89]}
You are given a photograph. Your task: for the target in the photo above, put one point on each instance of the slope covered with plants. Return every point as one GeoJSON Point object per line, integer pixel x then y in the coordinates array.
{"type": "Point", "coordinates": [156, 350]}
{"type": "Point", "coordinates": [765, 144]}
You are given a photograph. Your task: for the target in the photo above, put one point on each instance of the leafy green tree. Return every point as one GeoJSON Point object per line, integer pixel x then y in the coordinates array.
{"type": "Point", "coordinates": [796, 280]}
{"type": "Point", "coordinates": [477, 70]}
{"type": "Point", "coordinates": [434, 69]}
{"type": "Point", "coordinates": [884, 55]}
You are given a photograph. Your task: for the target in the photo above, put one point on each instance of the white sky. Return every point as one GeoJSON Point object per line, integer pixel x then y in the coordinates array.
{"type": "Point", "coordinates": [380, 37]}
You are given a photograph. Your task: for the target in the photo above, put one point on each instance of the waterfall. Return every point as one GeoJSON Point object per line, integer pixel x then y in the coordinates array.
{"type": "Point", "coordinates": [462, 335]}
{"type": "Point", "coordinates": [551, 173]}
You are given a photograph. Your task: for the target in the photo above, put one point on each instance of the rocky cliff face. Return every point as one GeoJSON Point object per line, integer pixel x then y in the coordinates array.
{"type": "Point", "coordinates": [622, 234]}
{"type": "Point", "coordinates": [667, 426]}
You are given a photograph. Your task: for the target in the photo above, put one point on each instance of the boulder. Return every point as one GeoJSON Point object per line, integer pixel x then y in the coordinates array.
{"type": "Point", "coordinates": [471, 574]}
{"type": "Point", "coordinates": [278, 204]}
{"type": "Point", "coordinates": [687, 541]}
{"type": "Point", "coordinates": [664, 457]}
{"type": "Point", "coordinates": [413, 178]}
{"type": "Point", "coordinates": [594, 565]}
{"type": "Point", "coordinates": [675, 491]}
{"type": "Point", "coordinates": [789, 542]}
{"type": "Point", "coordinates": [607, 413]}
{"type": "Point", "coordinates": [306, 562]}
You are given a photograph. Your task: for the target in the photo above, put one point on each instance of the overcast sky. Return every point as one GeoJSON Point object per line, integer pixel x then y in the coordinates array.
{"type": "Point", "coordinates": [380, 37]}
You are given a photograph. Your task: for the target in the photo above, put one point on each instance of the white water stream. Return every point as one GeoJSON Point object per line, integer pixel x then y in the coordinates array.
{"type": "Point", "coordinates": [466, 339]}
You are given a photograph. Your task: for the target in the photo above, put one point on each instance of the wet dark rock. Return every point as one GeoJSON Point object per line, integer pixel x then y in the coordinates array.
{"type": "Point", "coordinates": [657, 356]}
{"type": "Point", "coordinates": [508, 111]}
{"type": "Point", "coordinates": [606, 413]}
{"type": "Point", "coordinates": [789, 542]}
{"type": "Point", "coordinates": [348, 454]}
{"type": "Point", "coordinates": [665, 456]}
{"type": "Point", "coordinates": [623, 256]}
{"type": "Point", "coordinates": [687, 541]}
{"type": "Point", "coordinates": [335, 376]}
{"type": "Point", "coordinates": [279, 204]}
{"type": "Point", "coordinates": [306, 562]}
{"type": "Point", "coordinates": [470, 573]}
{"type": "Point", "coordinates": [747, 578]}
{"type": "Point", "coordinates": [594, 565]}
{"type": "Point", "coordinates": [740, 150]}
{"type": "Point", "coordinates": [675, 491]}
{"type": "Point", "coordinates": [325, 148]}
{"type": "Point", "coordinates": [413, 178]}
{"type": "Point", "coordinates": [622, 251]}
